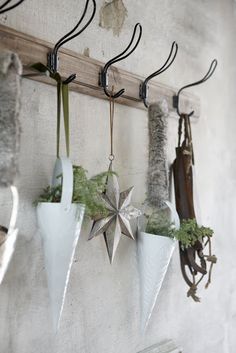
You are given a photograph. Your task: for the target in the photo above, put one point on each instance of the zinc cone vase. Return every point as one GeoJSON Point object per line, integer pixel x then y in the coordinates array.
{"type": "Point", "coordinates": [154, 254]}
{"type": "Point", "coordinates": [60, 226]}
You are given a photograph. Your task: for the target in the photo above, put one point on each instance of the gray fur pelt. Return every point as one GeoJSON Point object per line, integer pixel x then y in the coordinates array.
{"type": "Point", "coordinates": [10, 71]}
{"type": "Point", "coordinates": [158, 182]}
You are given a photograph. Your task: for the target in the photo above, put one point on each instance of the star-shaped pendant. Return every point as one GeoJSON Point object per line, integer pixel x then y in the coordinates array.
{"type": "Point", "coordinates": [120, 213]}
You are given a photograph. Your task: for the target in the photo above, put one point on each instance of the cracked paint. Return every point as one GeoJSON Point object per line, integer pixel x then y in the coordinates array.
{"type": "Point", "coordinates": [112, 16]}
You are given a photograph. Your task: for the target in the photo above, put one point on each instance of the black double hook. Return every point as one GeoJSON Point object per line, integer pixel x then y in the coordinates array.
{"type": "Point", "coordinates": [143, 92]}
{"type": "Point", "coordinates": [103, 76]}
{"type": "Point", "coordinates": [204, 79]}
{"type": "Point", "coordinates": [53, 55]}
{"type": "Point", "coordinates": [4, 8]}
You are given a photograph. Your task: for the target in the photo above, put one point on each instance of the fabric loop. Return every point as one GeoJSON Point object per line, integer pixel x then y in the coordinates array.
{"type": "Point", "coordinates": [65, 102]}
{"type": "Point", "coordinates": [62, 99]}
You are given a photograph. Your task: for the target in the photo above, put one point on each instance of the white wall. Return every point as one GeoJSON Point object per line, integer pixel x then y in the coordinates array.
{"type": "Point", "coordinates": [101, 311]}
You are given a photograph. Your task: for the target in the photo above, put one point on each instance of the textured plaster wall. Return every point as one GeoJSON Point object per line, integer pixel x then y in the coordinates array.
{"type": "Point", "coordinates": [102, 307]}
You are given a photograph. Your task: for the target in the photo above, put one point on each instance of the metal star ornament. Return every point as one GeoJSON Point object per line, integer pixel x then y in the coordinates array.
{"type": "Point", "coordinates": [118, 220]}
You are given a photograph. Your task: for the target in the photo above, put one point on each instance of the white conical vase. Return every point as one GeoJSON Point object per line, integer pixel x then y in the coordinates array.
{"type": "Point", "coordinates": [154, 254]}
{"type": "Point", "coordinates": [8, 247]}
{"type": "Point", "coordinates": [60, 226]}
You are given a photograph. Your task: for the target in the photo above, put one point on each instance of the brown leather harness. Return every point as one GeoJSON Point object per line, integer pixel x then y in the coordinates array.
{"type": "Point", "coordinates": [191, 258]}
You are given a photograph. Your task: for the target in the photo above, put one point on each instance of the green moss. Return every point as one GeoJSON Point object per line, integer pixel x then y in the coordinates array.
{"type": "Point", "coordinates": [160, 224]}
{"type": "Point", "coordinates": [159, 221]}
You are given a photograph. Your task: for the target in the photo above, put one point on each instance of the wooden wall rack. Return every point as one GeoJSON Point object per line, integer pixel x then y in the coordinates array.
{"type": "Point", "coordinates": [32, 50]}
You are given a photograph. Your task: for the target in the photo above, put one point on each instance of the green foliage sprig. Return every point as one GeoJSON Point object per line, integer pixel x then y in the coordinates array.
{"type": "Point", "coordinates": [189, 232]}
{"type": "Point", "coordinates": [85, 191]}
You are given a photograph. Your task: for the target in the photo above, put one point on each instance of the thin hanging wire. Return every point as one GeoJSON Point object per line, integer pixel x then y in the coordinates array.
{"type": "Point", "coordinates": [4, 9]}
{"type": "Point", "coordinates": [204, 79]}
{"type": "Point", "coordinates": [165, 66]}
{"type": "Point", "coordinates": [123, 55]}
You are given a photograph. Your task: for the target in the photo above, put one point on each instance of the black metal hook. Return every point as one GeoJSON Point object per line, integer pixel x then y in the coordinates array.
{"type": "Point", "coordinates": [53, 55]}
{"type": "Point", "coordinates": [103, 76]}
{"type": "Point", "coordinates": [4, 9]}
{"type": "Point", "coordinates": [143, 93]}
{"type": "Point", "coordinates": [205, 78]}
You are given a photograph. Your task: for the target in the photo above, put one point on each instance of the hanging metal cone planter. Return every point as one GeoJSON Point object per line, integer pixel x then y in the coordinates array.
{"type": "Point", "coordinates": [155, 250]}
{"type": "Point", "coordinates": [60, 226]}
{"type": "Point", "coordinates": [8, 236]}
{"type": "Point", "coordinates": [154, 254]}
